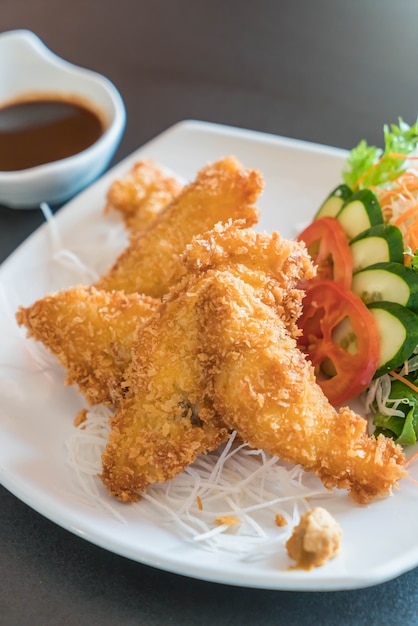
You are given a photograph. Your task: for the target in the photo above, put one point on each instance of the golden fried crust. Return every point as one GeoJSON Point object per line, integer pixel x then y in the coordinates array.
{"type": "Point", "coordinates": [272, 265]}
{"type": "Point", "coordinates": [263, 387]}
{"type": "Point", "coordinates": [151, 263]}
{"type": "Point", "coordinates": [91, 333]}
{"type": "Point", "coordinates": [141, 194]}
{"type": "Point", "coordinates": [165, 419]}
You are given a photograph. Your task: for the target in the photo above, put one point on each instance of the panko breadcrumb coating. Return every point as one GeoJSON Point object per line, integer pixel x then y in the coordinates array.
{"type": "Point", "coordinates": [141, 194]}
{"type": "Point", "coordinates": [274, 266]}
{"type": "Point", "coordinates": [265, 389]}
{"type": "Point", "coordinates": [165, 418]}
{"type": "Point", "coordinates": [151, 263]}
{"type": "Point", "coordinates": [91, 333]}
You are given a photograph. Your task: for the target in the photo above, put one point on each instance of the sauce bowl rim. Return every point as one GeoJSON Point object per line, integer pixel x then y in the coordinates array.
{"type": "Point", "coordinates": [115, 114]}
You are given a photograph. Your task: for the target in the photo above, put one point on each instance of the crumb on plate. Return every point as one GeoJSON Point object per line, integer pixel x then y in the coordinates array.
{"type": "Point", "coordinates": [229, 520]}
{"type": "Point", "coordinates": [80, 417]}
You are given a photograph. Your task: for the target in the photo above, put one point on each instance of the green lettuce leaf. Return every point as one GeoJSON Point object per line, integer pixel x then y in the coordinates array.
{"type": "Point", "coordinates": [413, 263]}
{"type": "Point", "coordinates": [401, 139]}
{"type": "Point", "coordinates": [404, 430]}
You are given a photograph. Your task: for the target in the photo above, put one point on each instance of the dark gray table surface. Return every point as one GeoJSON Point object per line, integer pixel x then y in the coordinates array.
{"type": "Point", "coordinates": [328, 71]}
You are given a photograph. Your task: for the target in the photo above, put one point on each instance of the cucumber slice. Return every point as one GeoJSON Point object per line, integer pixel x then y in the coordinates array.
{"type": "Point", "coordinates": [360, 212]}
{"type": "Point", "coordinates": [377, 244]}
{"type": "Point", "coordinates": [398, 330]}
{"type": "Point", "coordinates": [334, 202]}
{"type": "Point", "coordinates": [391, 282]}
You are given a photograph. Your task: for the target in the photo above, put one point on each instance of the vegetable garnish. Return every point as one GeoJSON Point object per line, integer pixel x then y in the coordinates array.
{"type": "Point", "coordinates": [341, 338]}
{"type": "Point", "coordinates": [369, 166]}
{"type": "Point", "coordinates": [409, 462]}
{"type": "Point", "coordinates": [328, 247]}
{"type": "Point", "coordinates": [403, 426]}
{"type": "Point", "coordinates": [405, 381]}
{"type": "Point", "coordinates": [382, 231]}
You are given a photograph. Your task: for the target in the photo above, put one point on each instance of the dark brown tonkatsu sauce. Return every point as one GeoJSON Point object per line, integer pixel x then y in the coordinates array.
{"type": "Point", "coordinates": [34, 132]}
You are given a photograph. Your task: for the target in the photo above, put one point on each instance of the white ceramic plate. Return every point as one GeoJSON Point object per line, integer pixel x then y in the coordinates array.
{"type": "Point", "coordinates": [37, 411]}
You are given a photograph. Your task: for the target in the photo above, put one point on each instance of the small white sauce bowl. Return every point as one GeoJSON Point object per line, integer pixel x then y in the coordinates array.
{"type": "Point", "coordinates": [27, 68]}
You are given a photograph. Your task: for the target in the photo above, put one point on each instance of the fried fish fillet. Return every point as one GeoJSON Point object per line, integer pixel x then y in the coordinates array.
{"type": "Point", "coordinates": [151, 263]}
{"type": "Point", "coordinates": [165, 418]}
{"type": "Point", "coordinates": [274, 266]}
{"type": "Point", "coordinates": [91, 332]}
{"type": "Point", "coordinates": [264, 387]}
{"type": "Point", "coordinates": [141, 194]}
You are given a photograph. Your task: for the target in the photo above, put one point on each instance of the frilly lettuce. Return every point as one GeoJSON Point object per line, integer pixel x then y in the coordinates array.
{"type": "Point", "coordinates": [404, 430]}
{"type": "Point", "coordinates": [369, 166]}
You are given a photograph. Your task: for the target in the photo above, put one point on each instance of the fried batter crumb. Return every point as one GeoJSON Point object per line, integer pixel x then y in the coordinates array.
{"type": "Point", "coordinates": [280, 520]}
{"type": "Point", "coordinates": [80, 417]}
{"type": "Point", "coordinates": [141, 194]}
{"type": "Point", "coordinates": [315, 540]}
{"type": "Point", "coordinates": [229, 520]}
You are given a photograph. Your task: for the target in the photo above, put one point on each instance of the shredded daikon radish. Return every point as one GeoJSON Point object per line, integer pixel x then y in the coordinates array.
{"type": "Point", "coordinates": [77, 263]}
{"type": "Point", "coordinates": [378, 393]}
{"type": "Point", "coordinates": [62, 256]}
{"type": "Point", "coordinates": [235, 480]}
{"type": "Point", "coordinates": [84, 449]}
{"type": "Point", "coordinates": [54, 234]}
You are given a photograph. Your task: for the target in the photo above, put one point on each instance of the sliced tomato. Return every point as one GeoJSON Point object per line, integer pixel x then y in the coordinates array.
{"type": "Point", "coordinates": [340, 338]}
{"type": "Point", "coordinates": [328, 247]}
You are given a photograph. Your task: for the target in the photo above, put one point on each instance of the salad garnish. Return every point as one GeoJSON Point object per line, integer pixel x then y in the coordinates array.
{"type": "Point", "coordinates": [369, 166]}
{"type": "Point", "coordinates": [375, 270]}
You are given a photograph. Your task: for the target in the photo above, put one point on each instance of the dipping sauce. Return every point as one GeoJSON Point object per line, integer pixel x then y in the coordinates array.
{"type": "Point", "coordinates": [34, 132]}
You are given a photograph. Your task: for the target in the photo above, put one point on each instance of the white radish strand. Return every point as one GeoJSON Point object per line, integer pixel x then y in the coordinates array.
{"type": "Point", "coordinates": [234, 481]}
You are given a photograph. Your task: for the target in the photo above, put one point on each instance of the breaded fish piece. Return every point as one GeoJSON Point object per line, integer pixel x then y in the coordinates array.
{"type": "Point", "coordinates": [274, 266]}
{"type": "Point", "coordinates": [91, 333]}
{"type": "Point", "coordinates": [141, 194]}
{"type": "Point", "coordinates": [263, 387]}
{"type": "Point", "coordinates": [151, 264]}
{"type": "Point", "coordinates": [165, 418]}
